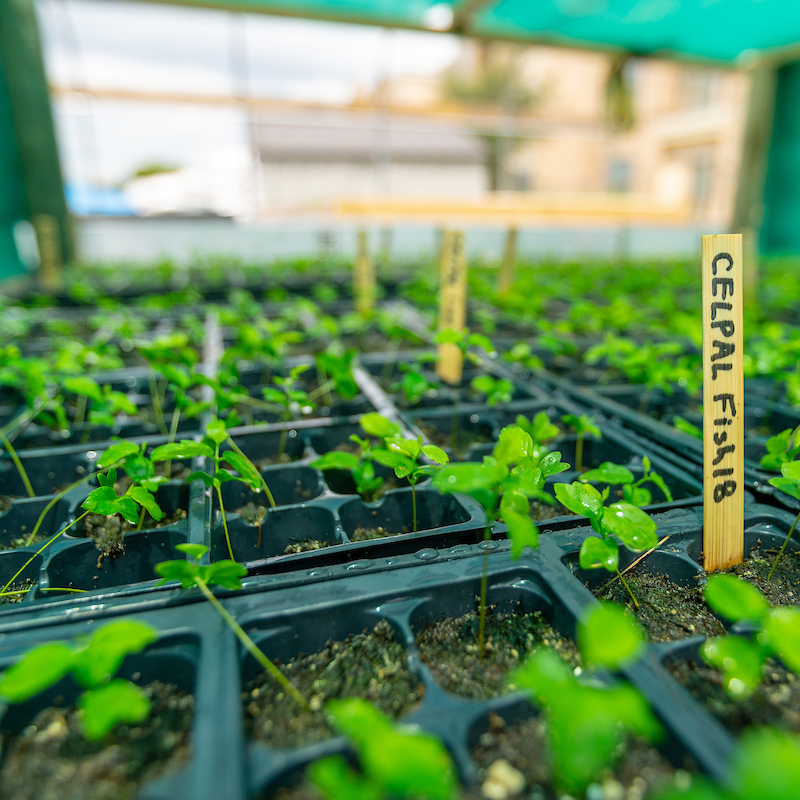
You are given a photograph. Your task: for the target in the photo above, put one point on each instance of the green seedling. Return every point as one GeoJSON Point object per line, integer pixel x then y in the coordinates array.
{"type": "Point", "coordinates": [228, 574]}
{"type": "Point", "coordinates": [539, 427]}
{"type": "Point", "coordinates": [632, 526]}
{"type": "Point", "coordinates": [582, 425]}
{"type": "Point", "coordinates": [684, 426]}
{"type": "Point", "coordinates": [260, 341]}
{"type": "Point", "coordinates": [742, 660]}
{"type": "Point", "coordinates": [335, 373]}
{"type": "Point", "coordinates": [85, 389]}
{"type": "Point", "coordinates": [502, 484]}
{"type": "Point", "coordinates": [402, 455]}
{"type": "Point", "coordinates": [463, 340]}
{"type": "Point", "coordinates": [17, 461]}
{"type": "Point", "coordinates": [781, 449]}
{"type": "Point", "coordinates": [632, 490]}
{"type": "Point", "coordinates": [495, 390]}
{"type": "Point", "coordinates": [396, 760]}
{"type": "Point", "coordinates": [414, 385]}
{"type": "Point", "coordinates": [164, 354]}
{"type": "Point", "coordinates": [108, 406]}
{"type": "Point", "coordinates": [522, 354]}
{"type": "Point", "coordinates": [92, 662]}
{"type": "Point", "coordinates": [765, 765]}
{"type": "Point", "coordinates": [180, 380]}
{"type": "Point", "coordinates": [392, 324]}
{"type": "Point", "coordinates": [217, 435]}
{"type": "Point", "coordinates": [360, 466]}
{"type": "Point", "coordinates": [294, 402]}
{"type": "Point", "coordinates": [788, 483]}
{"type": "Point", "coordinates": [586, 720]}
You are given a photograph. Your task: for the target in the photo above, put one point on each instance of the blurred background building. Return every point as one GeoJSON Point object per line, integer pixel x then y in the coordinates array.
{"type": "Point", "coordinates": [260, 128]}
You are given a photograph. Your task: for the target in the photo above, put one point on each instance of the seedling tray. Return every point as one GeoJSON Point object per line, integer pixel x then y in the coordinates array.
{"type": "Point", "coordinates": [298, 612]}
{"type": "Point", "coordinates": [683, 449]}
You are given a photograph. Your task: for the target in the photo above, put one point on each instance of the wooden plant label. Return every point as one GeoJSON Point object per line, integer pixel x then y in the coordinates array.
{"type": "Point", "coordinates": [364, 277]}
{"type": "Point", "coordinates": [452, 304]}
{"type": "Point", "coordinates": [507, 267]}
{"type": "Point", "coordinates": [723, 402]}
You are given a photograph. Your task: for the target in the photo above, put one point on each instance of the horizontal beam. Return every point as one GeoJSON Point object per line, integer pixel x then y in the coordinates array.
{"type": "Point", "coordinates": [505, 209]}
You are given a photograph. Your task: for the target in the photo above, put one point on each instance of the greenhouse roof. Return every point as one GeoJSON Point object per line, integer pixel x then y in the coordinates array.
{"type": "Point", "coordinates": [727, 31]}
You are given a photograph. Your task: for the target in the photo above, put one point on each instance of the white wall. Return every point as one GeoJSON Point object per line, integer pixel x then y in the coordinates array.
{"type": "Point", "coordinates": [313, 185]}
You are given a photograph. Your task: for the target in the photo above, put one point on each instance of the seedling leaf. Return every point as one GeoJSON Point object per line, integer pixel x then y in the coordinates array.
{"type": "Point", "coordinates": [596, 552]}
{"type": "Point", "coordinates": [609, 637]}
{"type": "Point", "coordinates": [634, 527]}
{"type": "Point", "coordinates": [38, 669]}
{"type": "Point", "coordinates": [735, 599]}
{"type": "Point", "coordinates": [103, 708]}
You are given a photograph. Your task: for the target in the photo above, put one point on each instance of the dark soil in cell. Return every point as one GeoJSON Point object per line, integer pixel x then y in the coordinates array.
{"type": "Point", "coordinates": [523, 747]}
{"type": "Point", "coordinates": [450, 649]}
{"type": "Point", "coordinates": [784, 588]}
{"type": "Point", "coordinates": [305, 546]}
{"type": "Point", "coordinates": [464, 438]}
{"type": "Point", "coordinates": [362, 534]}
{"type": "Point", "coordinates": [544, 511]}
{"type": "Point", "coordinates": [20, 586]}
{"type": "Point", "coordinates": [272, 461]}
{"type": "Point", "coordinates": [371, 665]}
{"type": "Point", "coordinates": [22, 540]}
{"type": "Point", "coordinates": [252, 514]}
{"type": "Point", "coordinates": [51, 760]}
{"type": "Point", "coordinates": [108, 533]}
{"type": "Point", "coordinates": [666, 610]}
{"type": "Point", "coordinates": [775, 702]}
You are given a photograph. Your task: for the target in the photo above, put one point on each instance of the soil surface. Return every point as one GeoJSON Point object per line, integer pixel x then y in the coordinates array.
{"type": "Point", "coordinates": [784, 588]}
{"type": "Point", "coordinates": [108, 533]}
{"type": "Point", "coordinates": [5, 502]}
{"type": "Point", "coordinates": [252, 513]}
{"type": "Point", "coordinates": [362, 534]}
{"type": "Point", "coordinates": [522, 745]}
{"type": "Point", "coordinates": [450, 649]}
{"type": "Point", "coordinates": [51, 760]}
{"type": "Point", "coordinates": [22, 586]}
{"type": "Point", "coordinates": [667, 611]}
{"type": "Point", "coordinates": [519, 749]}
{"type": "Point", "coordinates": [775, 702]}
{"type": "Point", "coordinates": [305, 545]}
{"type": "Point", "coordinates": [272, 461]}
{"type": "Point", "coordinates": [465, 439]}
{"type": "Point", "coordinates": [371, 665]}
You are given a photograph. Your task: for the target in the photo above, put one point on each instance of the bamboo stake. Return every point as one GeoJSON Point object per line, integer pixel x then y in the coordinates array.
{"type": "Point", "coordinates": [509, 256]}
{"type": "Point", "coordinates": [364, 277]}
{"type": "Point", "coordinates": [452, 304]}
{"type": "Point", "coordinates": [723, 402]}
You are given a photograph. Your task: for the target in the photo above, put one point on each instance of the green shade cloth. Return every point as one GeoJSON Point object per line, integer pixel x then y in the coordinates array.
{"type": "Point", "coordinates": [719, 30]}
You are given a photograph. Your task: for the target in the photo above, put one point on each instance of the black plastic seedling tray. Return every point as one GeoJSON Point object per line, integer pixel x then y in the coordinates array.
{"type": "Point", "coordinates": [618, 403]}
{"type": "Point", "coordinates": [299, 612]}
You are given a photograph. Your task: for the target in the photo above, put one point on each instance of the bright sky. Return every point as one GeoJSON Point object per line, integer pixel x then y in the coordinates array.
{"type": "Point", "coordinates": [153, 47]}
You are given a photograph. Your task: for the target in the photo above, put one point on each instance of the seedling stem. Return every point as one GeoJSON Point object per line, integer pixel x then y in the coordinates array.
{"type": "Point", "coordinates": [783, 547]}
{"type": "Point", "coordinates": [41, 550]}
{"type": "Point", "coordinates": [251, 646]}
{"type": "Point", "coordinates": [18, 464]}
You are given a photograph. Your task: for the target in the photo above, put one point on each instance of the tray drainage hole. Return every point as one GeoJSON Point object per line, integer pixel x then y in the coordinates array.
{"type": "Point", "coordinates": [428, 554]}
{"type": "Point", "coordinates": [490, 545]}
{"type": "Point", "coordinates": [364, 563]}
